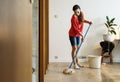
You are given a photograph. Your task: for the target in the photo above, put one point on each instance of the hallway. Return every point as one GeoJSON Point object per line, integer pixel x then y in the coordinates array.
{"type": "Point", "coordinates": [107, 73]}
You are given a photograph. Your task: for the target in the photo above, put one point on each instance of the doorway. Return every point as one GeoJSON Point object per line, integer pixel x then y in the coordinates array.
{"type": "Point", "coordinates": [35, 35]}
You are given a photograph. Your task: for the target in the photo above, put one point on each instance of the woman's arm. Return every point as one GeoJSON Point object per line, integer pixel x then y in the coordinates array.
{"type": "Point", "coordinates": [86, 21]}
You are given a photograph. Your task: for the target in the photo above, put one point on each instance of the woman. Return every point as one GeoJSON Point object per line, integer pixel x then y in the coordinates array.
{"type": "Point", "coordinates": [75, 32]}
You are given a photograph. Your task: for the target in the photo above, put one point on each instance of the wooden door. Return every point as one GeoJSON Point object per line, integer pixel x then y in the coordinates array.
{"type": "Point", "coordinates": [44, 38]}
{"type": "Point", "coordinates": [15, 41]}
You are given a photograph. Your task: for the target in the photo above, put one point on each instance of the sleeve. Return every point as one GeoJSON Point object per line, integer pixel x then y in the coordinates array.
{"type": "Point", "coordinates": [82, 16]}
{"type": "Point", "coordinates": [75, 25]}
{"type": "Point", "coordinates": [85, 21]}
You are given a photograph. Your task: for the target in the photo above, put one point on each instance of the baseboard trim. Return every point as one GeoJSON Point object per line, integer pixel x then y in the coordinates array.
{"type": "Point", "coordinates": [59, 60]}
{"type": "Point", "coordinates": [117, 60]}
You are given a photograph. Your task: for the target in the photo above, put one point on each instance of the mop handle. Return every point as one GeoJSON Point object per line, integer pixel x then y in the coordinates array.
{"type": "Point", "coordinates": [79, 47]}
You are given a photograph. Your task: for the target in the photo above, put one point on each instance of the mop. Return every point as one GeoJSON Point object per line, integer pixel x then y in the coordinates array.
{"type": "Point", "coordinates": [69, 70]}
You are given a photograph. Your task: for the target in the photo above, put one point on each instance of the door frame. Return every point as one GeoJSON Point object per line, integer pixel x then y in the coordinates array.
{"type": "Point", "coordinates": [43, 38]}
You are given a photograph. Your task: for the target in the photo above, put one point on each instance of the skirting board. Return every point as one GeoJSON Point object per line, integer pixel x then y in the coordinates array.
{"type": "Point", "coordinates": [66, 60]}
{"type": "Point", "coordinates": [116, 60]}
{"type": "Point", "coordinates": [80, 60]}
{"type": "Point", "coordinates": [58, 60]}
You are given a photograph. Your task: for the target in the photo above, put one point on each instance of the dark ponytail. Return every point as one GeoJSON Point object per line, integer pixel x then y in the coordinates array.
{"type": "Point", "coordinates": [80, 17]}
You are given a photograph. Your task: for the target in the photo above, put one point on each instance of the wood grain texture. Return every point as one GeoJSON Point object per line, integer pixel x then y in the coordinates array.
{"type": "Point", "coordinates": [44, 38]}
{"type": "Point", "coordinates": [15, 41]}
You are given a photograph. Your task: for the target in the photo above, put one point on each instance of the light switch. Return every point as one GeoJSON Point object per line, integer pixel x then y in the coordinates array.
{"type": "Point", "coordinates": [56, 16]}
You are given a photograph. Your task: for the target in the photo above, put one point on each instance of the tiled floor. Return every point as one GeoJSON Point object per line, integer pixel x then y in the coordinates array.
{"type": "Point", "coordinates": [107, 73]}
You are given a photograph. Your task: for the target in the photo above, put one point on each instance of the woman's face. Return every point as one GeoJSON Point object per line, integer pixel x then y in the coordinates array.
{"type": "Point", "coordinates": [77, 12]}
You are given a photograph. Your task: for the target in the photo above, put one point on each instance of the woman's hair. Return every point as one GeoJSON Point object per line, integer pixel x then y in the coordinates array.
{"type": "Point", "coordinates": [76, 7]}
{"type": "Point", "coordinates": [80, 17]}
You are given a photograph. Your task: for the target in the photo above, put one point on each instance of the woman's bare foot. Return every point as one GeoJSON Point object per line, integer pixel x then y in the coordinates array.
{"type": "Point", "coordinates": [76, 67]}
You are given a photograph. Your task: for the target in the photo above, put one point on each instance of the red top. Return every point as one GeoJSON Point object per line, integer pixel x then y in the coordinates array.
{"type": "Point", "coordinates": [76, 28]}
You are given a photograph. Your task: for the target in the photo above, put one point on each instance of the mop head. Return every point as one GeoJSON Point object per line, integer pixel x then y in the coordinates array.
{"type": "Point", "coordinates": [68, 71]}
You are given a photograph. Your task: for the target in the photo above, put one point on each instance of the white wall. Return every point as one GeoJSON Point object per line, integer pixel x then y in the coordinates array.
{"type": "Point", "coordinates": [60, 12]}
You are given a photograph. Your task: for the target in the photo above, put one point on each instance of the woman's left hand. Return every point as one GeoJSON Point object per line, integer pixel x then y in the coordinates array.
{"type": "Point", "coordinates": [90, 22]}
{"type": "Point", "coordinates": [82, 38]}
